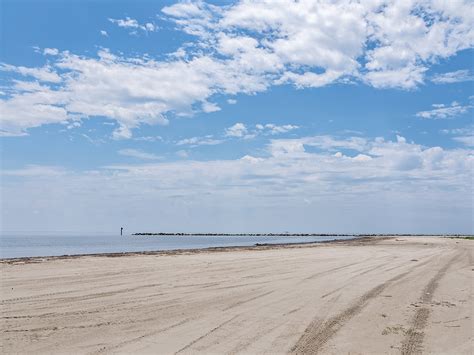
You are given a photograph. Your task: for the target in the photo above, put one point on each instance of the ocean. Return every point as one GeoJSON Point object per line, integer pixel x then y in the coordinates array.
{"type": "Point", "coordinates": [56, 244]}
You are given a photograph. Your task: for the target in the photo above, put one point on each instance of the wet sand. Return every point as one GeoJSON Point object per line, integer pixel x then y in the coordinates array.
{"type": "Point", "coordinates": [371, 296]}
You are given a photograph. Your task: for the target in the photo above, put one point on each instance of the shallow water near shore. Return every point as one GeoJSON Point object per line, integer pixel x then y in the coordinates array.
{"type": "Point", "coordinates": [29, 245]}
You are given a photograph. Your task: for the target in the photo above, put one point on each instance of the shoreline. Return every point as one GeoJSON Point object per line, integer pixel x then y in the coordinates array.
{"type": "Point", "coordinates": [178, 234]}
{"type": "Point", "coordinates": [257, 246]}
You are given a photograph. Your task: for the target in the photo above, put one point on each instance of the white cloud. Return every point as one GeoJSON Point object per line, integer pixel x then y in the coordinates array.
{"type": "Point", "coordinates": [231, 101]}
{"type": "Point", "coordinates": [180, 53]}
{"type": "Point", "coordinates": [386, 178]}
{"type": "Point", "coordinates": [187, 9]}
{"type": "Point", "coordinates": [303, 33]}
{"type": "Point", "coordinates": [284, 146]}
{"type": "Point", "coordinates": [127, 22]}
{"type": "Point", "coordinates": [453, 77]}
{"type": "Point", "coordinates": [406, 77]}
{"type": "Point", "coordinates": [131, 91]}
{"type": "Point", "coordinates": [362, 158]}
{"type": "Point", "coordinates": [50, 51]}
{"type": "Point", "coordinates": [404, 37]}
{"type": "Point", "coordinates": [466, 140]}
{"type": "Point", "coordinates": [132, 25]}
{"type": "Point", "coordinates": [289, 158]}
{"type": "Point", "coordinates": [149, 138]}
{"type": "Point", "coordinates": [182, 154]}
{"type": "Point", "coordinates": [240, 130]}
{"type": "Point", "coordinates": [246, 48]}
{"type": "Point", "coordinates": [441, 111]}
{"type": "Point", "coordinates": [139, 154]}
{"type": "Point", "coordinates": [36, 171]}
{"type": "Point", "coordinates": [197, 141]}
{"type": "Point", "coordinates": [310, 79]}
{"type": "Point", "coordinates": [72, 125]}
{"type": "Point", "coordinates": [275, 129]}
{"type": "Point", "coordinates": [464, 135]}
{"type": "Point", "coordinates": [194, 17]}
{"type": "Point", "coordinates": [462, 131]}
{"type": "Point", "coordinates": [237, 130]}
{"type": "Point", "coordinates": [410, 35]}
{"type": "Point", "coordinates": [104, 33]}
{"type": "Point", "coordinates": [150, 26]}
{"type": "Point", "coordinates": [36, 106]}
{"type": "Point", "coordinates": [210, 107]}
{"type": "Point", "coordinates": [122, 132]}
{"type": "Point", "coordinates": [45, 74]}
{"type": "Point", "coordinates": [251, 159]}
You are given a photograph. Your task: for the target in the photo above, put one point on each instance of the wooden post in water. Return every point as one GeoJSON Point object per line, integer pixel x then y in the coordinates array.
{"type": "Point", "coordinates": [121, 230]}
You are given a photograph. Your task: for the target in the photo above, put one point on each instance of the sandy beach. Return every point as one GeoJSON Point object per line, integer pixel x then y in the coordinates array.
{"type": "Point", "coordinates": [374, 296]}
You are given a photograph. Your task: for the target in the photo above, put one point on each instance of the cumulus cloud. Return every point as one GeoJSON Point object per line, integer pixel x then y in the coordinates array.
{"type": "Point", "coordinates": [32, 106]}
{"type": "Point", "coordinates": [246, 48]}
{"type": "Point", "coordinates": [286, 159]}
{"type": "Point", "coordinates": [127, 22]}
{"type": "Point", "coordinates": [51, 51]}
{"type": "Point", "coordinates": [240, 130]}
{"type": "Point", "coordinates": [150, 27]}
{"type": "Point", "coordinates": [385, 159]}
{"type": "Point", "coordinates": [133, 24]}
{"type": "Point", "coordinates": [405, 77]}
{"type": "Point", "coordinates": [194, 17]}
{"type": "Point", "coordinates": [328, 40]}
{"type": "Point", "coordinates": [46, 73]}
{"type": "Point", "coordinates": [410, 35]}
{"type": "Point", "coordinates": [310, 79]}
{"type": "Point", "coordinates": [208, 107]}
{"type": "Point", "coordinates": [442, 111]}
{"type": "Point", "coordinates": [132, 91]}
{"type": "Point", "coordinates": [453, 77]}
{"type": "Point", "coordinates": [104, 33]}
{"type": "Point", "coordinates": [381, 175]}
{"type": "Point", "coordinates": [237, 130]}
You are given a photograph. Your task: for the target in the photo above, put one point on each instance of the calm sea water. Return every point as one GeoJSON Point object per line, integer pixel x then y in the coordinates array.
{"type": "Point", "coordinates": [21, 245]}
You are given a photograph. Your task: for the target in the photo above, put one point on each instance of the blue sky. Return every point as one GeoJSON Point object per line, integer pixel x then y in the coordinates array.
{"type": "Point", "coordinates": [237, 116]}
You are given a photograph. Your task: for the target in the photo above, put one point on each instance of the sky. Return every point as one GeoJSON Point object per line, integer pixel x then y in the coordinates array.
{"type": "Point", "coordinates": [237, 116]}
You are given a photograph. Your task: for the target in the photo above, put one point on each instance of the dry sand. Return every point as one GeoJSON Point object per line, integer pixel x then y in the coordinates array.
{"type": "Point", "coordinates": [397, 295]}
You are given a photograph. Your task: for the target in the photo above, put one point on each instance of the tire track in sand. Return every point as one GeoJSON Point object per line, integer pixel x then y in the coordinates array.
{"type": "Point", "coordinates": [205, 335]}
{"type": "Point", "coordinates": [317, 334]}
{"type": "Point", "coordinates": [412, 343]}
{"type": "Point", "coordinates": [141, 337]}
{"type": "Point", "coordinates": [247, 300]}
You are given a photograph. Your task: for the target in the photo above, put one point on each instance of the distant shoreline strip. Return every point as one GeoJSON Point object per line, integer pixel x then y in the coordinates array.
{"type": "Point", "coordinates": [245, 234]}
{"type": "Point", "coordinates": [256, 246]}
